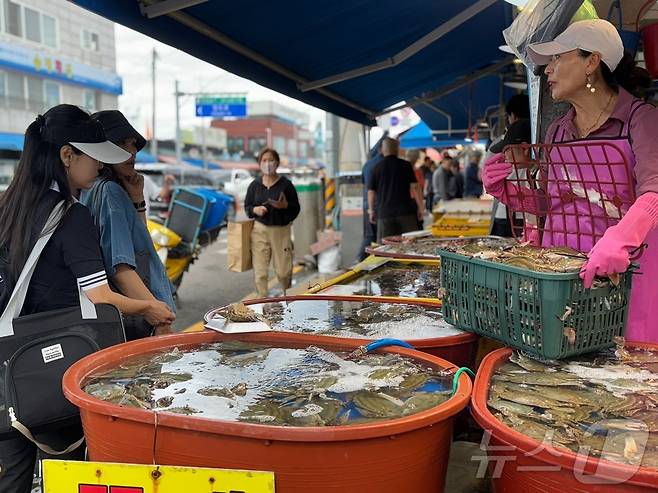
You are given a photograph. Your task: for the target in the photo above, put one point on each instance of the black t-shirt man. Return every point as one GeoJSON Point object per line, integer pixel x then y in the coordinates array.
{"type": "Point", "coordinates": [391, 181]}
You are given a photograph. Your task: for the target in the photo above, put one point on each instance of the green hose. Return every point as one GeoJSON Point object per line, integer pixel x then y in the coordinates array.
{"type": "Point", "coordinates": [455, 379]}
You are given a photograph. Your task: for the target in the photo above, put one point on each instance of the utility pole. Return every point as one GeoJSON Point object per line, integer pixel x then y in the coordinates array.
{"type": "Point", "coordinates": [154, 140]}
{"type": "Point", "coordinates": [203, 143]}
{"type": "Point", "coordinates": [179, 149]}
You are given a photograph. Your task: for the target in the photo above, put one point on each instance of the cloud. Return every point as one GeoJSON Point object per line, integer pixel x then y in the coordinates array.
{"type": "Point", "coordinates": [133, 51]}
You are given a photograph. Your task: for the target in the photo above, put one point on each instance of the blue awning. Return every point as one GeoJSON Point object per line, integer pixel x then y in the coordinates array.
{"type": "Point", "coordinates": [145, 157]}
{"type": "Point", "coordinates": [294, 47]}
{"type": "Point", "coordinates": [420, 137]}
{"type": "Point", "coordinates": [464, 107]}
{"type": "Point", "coordinates": [11, 142]}
{"type": "Point", "coordinates": [199, 163]}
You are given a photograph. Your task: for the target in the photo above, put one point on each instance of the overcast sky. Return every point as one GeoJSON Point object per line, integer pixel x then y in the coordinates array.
{"type": "Point", "coordinates": [134, 66]}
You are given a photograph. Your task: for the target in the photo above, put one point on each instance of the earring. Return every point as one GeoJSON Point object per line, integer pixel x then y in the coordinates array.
{"type": "Point", "coordinates": [589, 85]}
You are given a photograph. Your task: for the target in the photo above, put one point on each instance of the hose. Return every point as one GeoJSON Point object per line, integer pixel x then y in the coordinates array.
{"type": "Point", "coordinates": [379, 343]}
{"type": "Point", "coordinates": [455, 379]}
{"type": "Point", "coordinates": [387, 342]}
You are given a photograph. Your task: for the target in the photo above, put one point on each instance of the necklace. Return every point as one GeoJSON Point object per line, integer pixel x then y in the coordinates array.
{"type": "Point", "coordinates": [586, 132]}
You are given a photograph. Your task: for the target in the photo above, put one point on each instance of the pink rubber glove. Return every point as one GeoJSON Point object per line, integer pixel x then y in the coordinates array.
{"type": "Point", "coordinates": [531, 235]}
{"type": "Point", "coordinates": [520, 199]}
{"type": "Point", "coordinates": [611, 254]}
{"type": "Point", "coordinates": [496, 170]}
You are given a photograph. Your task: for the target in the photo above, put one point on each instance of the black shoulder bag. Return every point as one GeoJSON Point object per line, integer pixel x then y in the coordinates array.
{"type": "Point", "coordinates": [36, 350]}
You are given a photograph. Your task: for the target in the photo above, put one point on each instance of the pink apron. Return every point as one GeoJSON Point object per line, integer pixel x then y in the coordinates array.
{"type": "Point", "coordinates": [584, 200]}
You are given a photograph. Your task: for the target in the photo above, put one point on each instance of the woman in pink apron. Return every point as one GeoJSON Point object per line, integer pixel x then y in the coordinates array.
{"type": "Point", "coordinates": [586, 66]}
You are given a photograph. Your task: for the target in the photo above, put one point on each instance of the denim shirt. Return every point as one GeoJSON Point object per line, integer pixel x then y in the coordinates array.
{"type": "Point", "coordinates": [124, 237]}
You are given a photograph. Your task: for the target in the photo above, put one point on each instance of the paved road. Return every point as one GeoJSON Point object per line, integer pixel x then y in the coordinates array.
{"type": "Point", "coordinates": [208, 284]}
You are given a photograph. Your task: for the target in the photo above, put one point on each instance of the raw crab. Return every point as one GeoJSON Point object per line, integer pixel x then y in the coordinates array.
{"type": "Point", "coordinates": [239, 312]}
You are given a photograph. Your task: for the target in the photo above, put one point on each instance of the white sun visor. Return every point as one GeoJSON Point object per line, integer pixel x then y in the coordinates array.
{"type": "Point", "coordinates": [105, 152]}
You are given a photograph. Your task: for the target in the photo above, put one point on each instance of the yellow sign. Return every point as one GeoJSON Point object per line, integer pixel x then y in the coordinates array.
{"type": "Point", "coordinates": [103, 477]}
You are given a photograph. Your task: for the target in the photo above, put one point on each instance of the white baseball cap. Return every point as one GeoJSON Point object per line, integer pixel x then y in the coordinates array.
{"type": "Point", "coordinates": [596, 36]}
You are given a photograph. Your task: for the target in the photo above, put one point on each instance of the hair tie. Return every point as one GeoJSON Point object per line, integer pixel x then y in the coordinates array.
{"type": "Point", "coordinates": [40, 120]}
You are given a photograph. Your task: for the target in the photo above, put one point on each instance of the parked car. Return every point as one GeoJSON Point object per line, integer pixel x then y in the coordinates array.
{"type": "Point", "coordinates": [185, 177]}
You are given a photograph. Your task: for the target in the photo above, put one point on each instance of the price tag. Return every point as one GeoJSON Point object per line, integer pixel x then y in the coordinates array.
{"type": "Point", "coordinates": [105, 477]}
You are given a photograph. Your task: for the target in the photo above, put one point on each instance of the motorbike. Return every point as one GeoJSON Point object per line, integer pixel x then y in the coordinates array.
{"type": "Point", "coordinates": [194, 220]}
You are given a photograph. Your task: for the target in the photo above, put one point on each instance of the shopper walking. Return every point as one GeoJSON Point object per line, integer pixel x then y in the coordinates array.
{"type": "Point", "coordinates": [473, 179]}
{"type": "Point", "coordinates": [456, 183]}
{"type": "Point", "coordinates": [390, 191]}
{"type": "Point", "coordinates": [517, 109]}
{"type": "Point", "coordinates": [272, 201]}
{"type": "Point", "coordinates": [62, 154]}
{"type": "Point", "coordinates": [441, 180]}
{"type": "Point", "coordinates": [369, 228]}
{"type": "Point", "coordinates": [586, 67]}
{"type": "Point", "coordinates": [118, 207]}
{"type": "Point", "coordinates": [428, 192]}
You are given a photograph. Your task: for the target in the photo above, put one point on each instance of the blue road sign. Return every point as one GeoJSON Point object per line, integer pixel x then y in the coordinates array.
{"type": "Point", "coordinates": [221, 106]}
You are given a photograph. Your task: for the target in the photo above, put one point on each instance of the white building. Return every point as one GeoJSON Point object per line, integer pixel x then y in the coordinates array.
{"type": "Point", "coordinates": [51, 52]}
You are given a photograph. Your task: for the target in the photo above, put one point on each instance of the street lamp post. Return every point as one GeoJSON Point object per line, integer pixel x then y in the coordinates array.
{"type": "Point", "coordinates": [179, 150]}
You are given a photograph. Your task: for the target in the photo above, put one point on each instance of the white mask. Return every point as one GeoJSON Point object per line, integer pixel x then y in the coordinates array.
{"type": "Point", "coordinates": [268, 167]}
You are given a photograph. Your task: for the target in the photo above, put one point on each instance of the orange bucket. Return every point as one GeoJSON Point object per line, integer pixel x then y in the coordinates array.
{"type": "Point", "coordinates": [408, 454]}
{"type": "Point", "coordinates": [525, 465]}
{"type": "Point", "coordinates": [458, 349]}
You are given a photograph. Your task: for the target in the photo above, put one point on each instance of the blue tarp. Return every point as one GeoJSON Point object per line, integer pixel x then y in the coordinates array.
{"type": "Point", "coordinates": [11, 142]}
{"type": "Point", "coordinates": [311, 40]}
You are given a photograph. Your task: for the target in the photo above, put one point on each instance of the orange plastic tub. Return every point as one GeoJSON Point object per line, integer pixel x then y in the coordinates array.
{"type": "Point", "coordinates": [458, 349]}
{"type": "Point", "coordinates": [528, 466]}
{"type": "Point", "coordinates": [409, 454]}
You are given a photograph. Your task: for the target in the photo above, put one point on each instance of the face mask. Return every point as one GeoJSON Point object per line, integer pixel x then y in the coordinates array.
{"type": "Point", "coordinates": [268, 167]}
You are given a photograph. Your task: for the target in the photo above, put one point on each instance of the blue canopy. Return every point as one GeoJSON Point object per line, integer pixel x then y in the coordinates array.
{"type": "Point", "coordinates": [144, 156]}
{"type": "Point", "coordinates": [420, 137]}
{"type": "Point", "coordinates": [353, 58]}
{"type": "Point", "coordinates": [462, 108]}
{"type": "Point", "coordinates": [199, 163]}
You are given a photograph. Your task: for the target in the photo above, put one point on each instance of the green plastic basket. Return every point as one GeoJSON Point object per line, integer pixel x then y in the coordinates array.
{"type": "Point", "coordinates": [532, 311]}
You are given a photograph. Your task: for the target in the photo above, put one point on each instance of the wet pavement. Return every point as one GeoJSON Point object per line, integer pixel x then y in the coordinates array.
{"type": "Point", "coordinates": [209, 284]}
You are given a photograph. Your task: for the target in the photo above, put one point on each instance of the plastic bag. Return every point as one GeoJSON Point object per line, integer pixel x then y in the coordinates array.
{"type": "Point", "coordinates": [543, 20]}
{"type": "Point", "coordinates": [329, 260]}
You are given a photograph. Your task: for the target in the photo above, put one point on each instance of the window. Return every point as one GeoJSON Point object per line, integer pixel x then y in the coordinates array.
{"type": "Point", "coordinates": [15, 90]}
{"type": "Point", "coordinates": [235, 145]}
{"type": "Point", "coordinates": [256, 144]}
{"type": "Point", "coordinates": [89, 100]}
{"type": "Point", "coordinates": [89, 40]}
{"type": "Point", "coordinates": [13, 20]}
{"type": "Point", "coordinates": [303, 149]}
{"type": "Point", "coordinates": [32, 25]}
{"type": "Point", "coordinates": [49, 31]}
{"type": "Point", "coordinates": [292, 147]}
{"type": "Point", "coordinates": [279, 144]}
{"type": "Point", "coordinates": [34, 94]}
{"type": "Point", "coordinates": [28, 23]}
{"type": "Point", "coordinates": [51, 93]}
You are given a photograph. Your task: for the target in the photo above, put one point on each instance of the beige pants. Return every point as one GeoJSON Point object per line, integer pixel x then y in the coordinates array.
{"type": "Point", "coordinates": [268, 242]}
